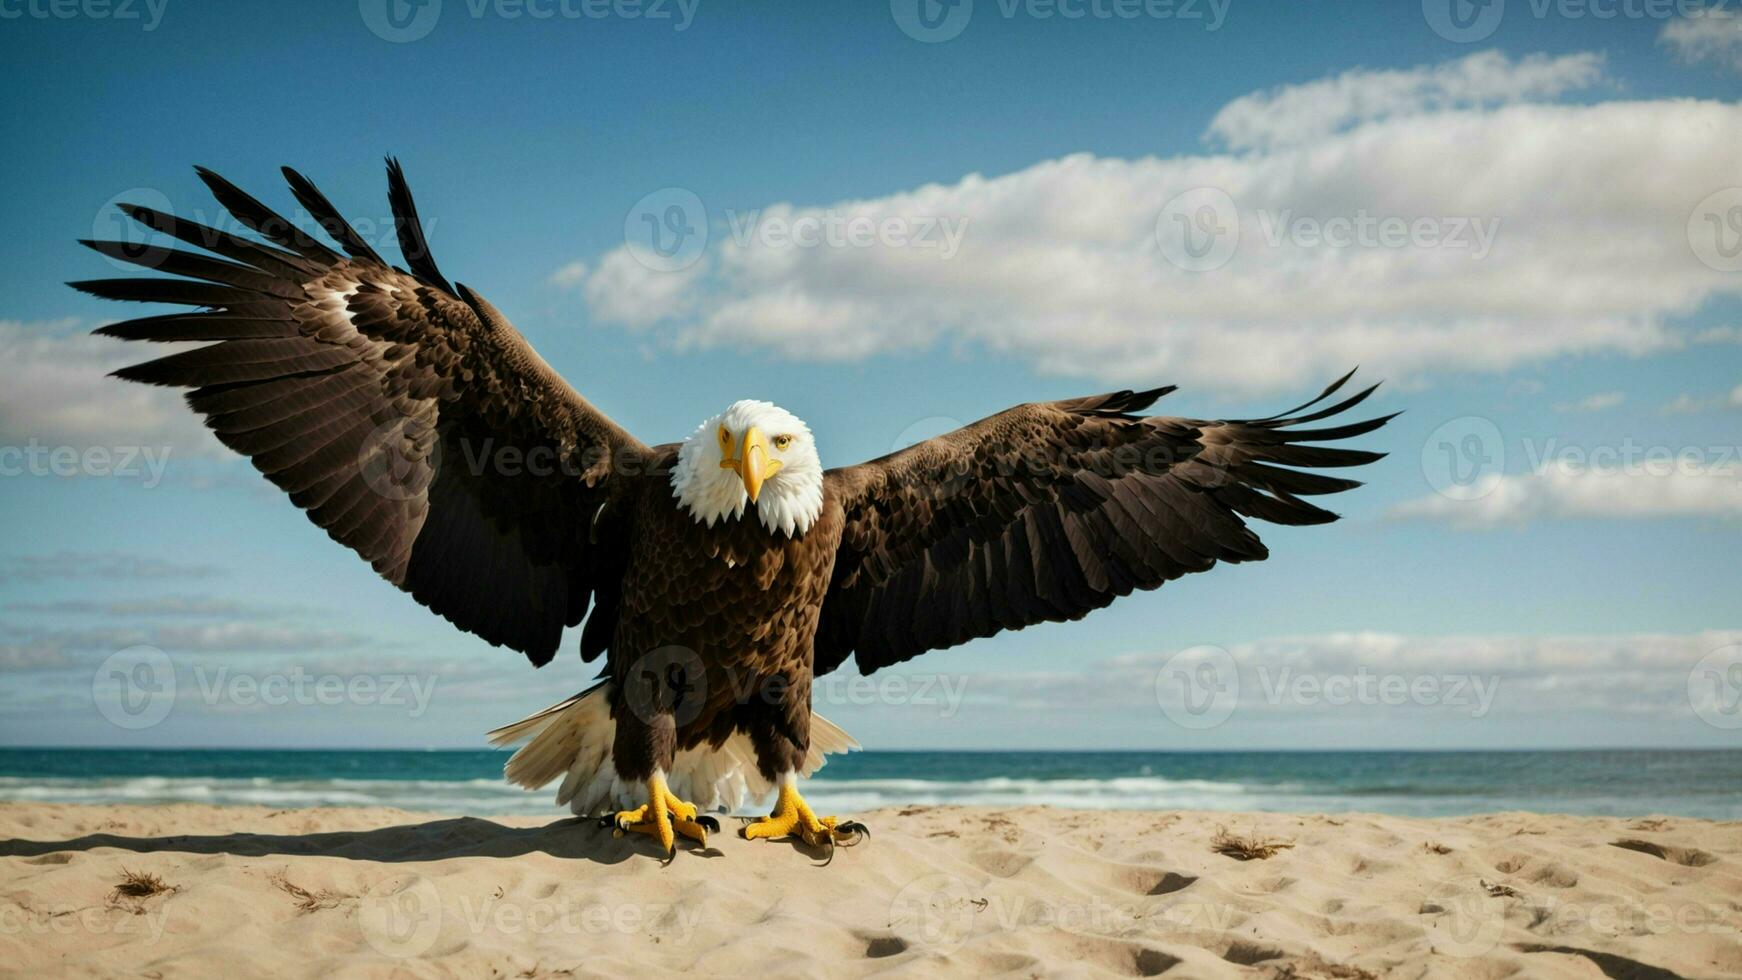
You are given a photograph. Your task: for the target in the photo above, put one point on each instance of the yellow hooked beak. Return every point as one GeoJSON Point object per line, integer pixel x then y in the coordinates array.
{"type": "Point", "coordinates": [754, 463]}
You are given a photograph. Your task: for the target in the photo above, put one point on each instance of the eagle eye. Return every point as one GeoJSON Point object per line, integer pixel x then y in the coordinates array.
{"type": "Point", "coordinates": [781, 442]}
{"type": "Point", "coordinates": [725, 437]}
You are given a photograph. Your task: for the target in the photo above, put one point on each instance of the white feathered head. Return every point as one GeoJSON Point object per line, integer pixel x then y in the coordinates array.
{"type": "Point", "coordinates": [752, 454]}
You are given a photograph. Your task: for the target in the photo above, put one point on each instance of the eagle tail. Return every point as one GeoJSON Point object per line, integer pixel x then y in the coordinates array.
{"type": "Point", "coordinates": [572, 739]}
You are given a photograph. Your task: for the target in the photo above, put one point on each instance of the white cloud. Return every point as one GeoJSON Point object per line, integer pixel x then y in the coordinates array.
{"type": "Point", "coordinates": [1656, 486]}
{"type": "Point", "coordinates": [169, 605]}
{"type": "Point", "coordinates": [623, 290]}
{"type": "Point", "coordinates": [1718, 335]}
{"type": "Point", "coordinates": [1060, 265]}
{"type": "Point", "coordinates": [1685, 404]}
{"type": "Point", "coordinates": [245, 636]}
{"type": "Point", "coordinates": [1688, 404]}
{"type": "Point", "coordinates": [1599, 402]}
{"type": "Point", "coordinates": [573, 274]}
{"type": "Point", "coordinates": [97, 565]}
{"type": "Point", "coordinates": [1706, 35]}
{"type": "Point", "coordinates": [74, 648]}
{"type": "Point", "coordinates": [1629, 673]}
{"type": "Point", "coordinates": [58, 393]}
{"type": "Point", "coordinates": [1297, 114]}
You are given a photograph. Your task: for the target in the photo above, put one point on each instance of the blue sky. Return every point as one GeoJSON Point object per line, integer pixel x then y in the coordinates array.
{"type": "Point", "coordinates": [1596, 335]}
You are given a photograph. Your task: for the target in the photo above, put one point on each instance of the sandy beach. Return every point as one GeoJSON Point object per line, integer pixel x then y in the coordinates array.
{"type": "Point", "coordinates": [190, 890]}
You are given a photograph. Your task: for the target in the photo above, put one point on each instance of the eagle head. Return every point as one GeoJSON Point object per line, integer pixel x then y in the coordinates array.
{"type": "Point", "coordinates": [752, 454]}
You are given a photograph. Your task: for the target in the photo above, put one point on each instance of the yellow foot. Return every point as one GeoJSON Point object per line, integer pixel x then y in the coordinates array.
{"type": "Point", "coordinates": [663, 817]}
{"type": "Point", "coordinates": [792, 817]}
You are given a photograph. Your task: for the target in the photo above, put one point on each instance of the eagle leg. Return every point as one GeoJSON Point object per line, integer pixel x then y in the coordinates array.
{"type": "Point", "coordinates": [664, 816]}
{"type": "Point", "coordinates": [793, 817]}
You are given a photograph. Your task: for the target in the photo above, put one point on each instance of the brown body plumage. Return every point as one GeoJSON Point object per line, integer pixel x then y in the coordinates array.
{"type": "Point", "coordinates": [733, 604]}
{"type": "Point", "coordinates": [418, 428]}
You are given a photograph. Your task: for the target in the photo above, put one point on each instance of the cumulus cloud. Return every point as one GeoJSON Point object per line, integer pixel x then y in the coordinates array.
{"type": "Point", "coordinates": [53, 647]}
{"type": "Point", "coordinates": [182, 605]}
{"type": "Point", "coordinates": [30, 656]}
{"type": "Point", "coordinates": [1689, 404]}
{"type": "Point", "coordinates": [570, 275]}
{"type": "Point", "coordinates": [1601, 401]}
{"type": "Point", "coordinates": [1718, 335]}
{"type": "Point", "coordinates": [1706, 36]}
{"type": "Point", "coordinates": [58, 393]}
{"type": "Point", "coordinates": [246, 636]}
{"type": "Point", "coordinates": [1297, 114]}
{"type": "Point", "coordinates": [1440, 219]}
{"type": "Point", "coordinates": [97, 565]}
{"type": "Point", "coordinates": [1659, 486]}
{"type": "Point", "coordinates": [1474, 675]}
{"type": "Point", "coordinates": [1685, 404]}
{"type": "Point", "coordinates": [623, 290]}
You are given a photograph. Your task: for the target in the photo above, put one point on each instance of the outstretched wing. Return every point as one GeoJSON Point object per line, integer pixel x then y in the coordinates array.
{"type": "Point", "coordinates": [1045, 512]}
{"type": "Point", "coordinates": [408, 418]}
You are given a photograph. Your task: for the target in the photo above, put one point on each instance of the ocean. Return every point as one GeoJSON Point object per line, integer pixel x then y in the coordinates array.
{"type": "Point", "coordinates": [1423, 784]}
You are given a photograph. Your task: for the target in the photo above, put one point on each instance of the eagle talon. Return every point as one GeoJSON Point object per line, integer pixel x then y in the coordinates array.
{"type": "Point", "coordinates": [664, 817]}
{"type": "Point", "coordinates": [792, 817]}
{"type": "Point", "coordinates": [623, 818]}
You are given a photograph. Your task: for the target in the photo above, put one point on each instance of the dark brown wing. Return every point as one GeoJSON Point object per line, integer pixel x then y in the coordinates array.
{"type": "Point", "coordinates": [1045, 512]}
{"type": "Point", "coordinates": [416, 426]}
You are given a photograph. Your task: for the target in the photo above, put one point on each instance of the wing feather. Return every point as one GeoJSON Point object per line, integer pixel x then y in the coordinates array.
{"type": "Point", "coordinates": [1046, 512]}
{"type": "Point", "coordinates": [373, 397]}
{"type": "Point", "coordinates": [286, 266]}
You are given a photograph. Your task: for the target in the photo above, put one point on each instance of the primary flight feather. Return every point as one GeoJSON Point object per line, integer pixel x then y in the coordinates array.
{"type": "Point", "coordinates": [717, 575]}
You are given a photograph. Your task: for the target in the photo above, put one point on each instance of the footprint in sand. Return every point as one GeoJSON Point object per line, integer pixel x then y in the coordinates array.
{"type": "Point", "coordinates": [1001, 864]}
{"type": "Point", "coordinates": [883, 946]}
{"type": "Point", "coordinates": [1688, 857]}
{"type": "Point", "coordinates": [1168, 883]}
{"type": "Point", "coordinates": [1243, 953]}
{"type": "Point", "coordinates": [1555, 876]}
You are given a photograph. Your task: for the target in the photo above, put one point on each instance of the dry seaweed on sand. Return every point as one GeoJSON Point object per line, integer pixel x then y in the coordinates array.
{"type": "Point", "coordinates": [130, 893]}
{"type": "Point", "coordinates": [307, 901]}
{"type": "Point", "coordinates": [1246, 848]}
{"type": "Point", "coordinates": [140, 884]}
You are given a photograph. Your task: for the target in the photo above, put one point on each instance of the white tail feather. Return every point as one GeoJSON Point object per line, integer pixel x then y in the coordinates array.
{"type": "Point", "coordinates": [572, 740]}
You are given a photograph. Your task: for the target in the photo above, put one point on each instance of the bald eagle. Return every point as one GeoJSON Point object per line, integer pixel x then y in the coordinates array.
{"type": "Point", "coordinates": [717, 576]}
